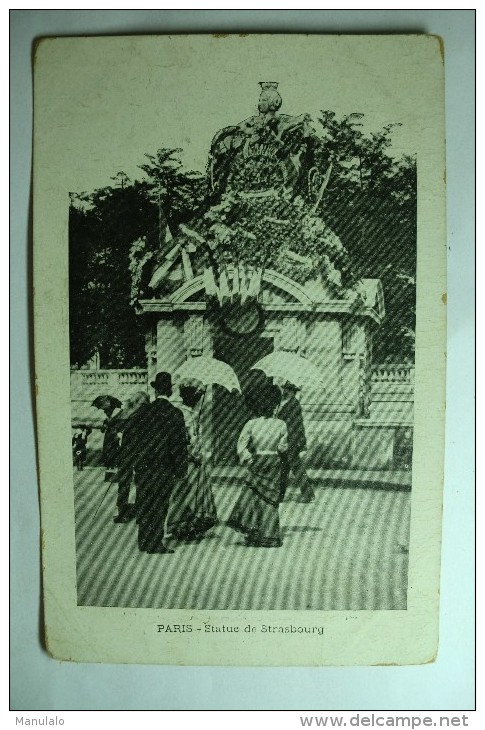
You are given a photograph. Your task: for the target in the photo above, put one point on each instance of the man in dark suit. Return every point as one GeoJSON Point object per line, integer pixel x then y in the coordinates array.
{"type": "Point", "coordinates": [132, 438]}
{"type": "Point", "coordinates": [161, 461]}
{"type": "Point", "coordinates": [289, 411]}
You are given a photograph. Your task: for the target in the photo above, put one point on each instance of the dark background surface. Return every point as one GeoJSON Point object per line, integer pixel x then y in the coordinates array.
{"type": "Point", "coordinates": [40, 683]}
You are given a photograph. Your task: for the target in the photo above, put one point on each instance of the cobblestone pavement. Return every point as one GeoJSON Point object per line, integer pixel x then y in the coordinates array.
{"type": "Point", "coordinates": [346, 551]}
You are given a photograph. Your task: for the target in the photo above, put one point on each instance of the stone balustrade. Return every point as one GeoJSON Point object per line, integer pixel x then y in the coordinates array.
{"type": "Point", "coordinates": [392, 373]}
{"type": "Point", "coordinates": [106, 380]}
{"type": "Point", "coordinates": [133, 377]}
{"type": "Point", "coordinates": [386, 433]}
{"type": "Point", "coordinates": [392, 394]}
{"type": "Point", "coordinates": [86, 385]}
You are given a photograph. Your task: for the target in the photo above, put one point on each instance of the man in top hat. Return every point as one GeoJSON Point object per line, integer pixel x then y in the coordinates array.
{"type": "Point", "coordinates": [161, 461]}
{"type": "Point", "coordinates": [289, 411]}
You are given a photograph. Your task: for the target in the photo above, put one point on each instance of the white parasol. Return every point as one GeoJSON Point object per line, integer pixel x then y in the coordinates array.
{"type": "Point", "coordinates": [208, 371]}
{"type": "Point", "coordinates": [292, 368]}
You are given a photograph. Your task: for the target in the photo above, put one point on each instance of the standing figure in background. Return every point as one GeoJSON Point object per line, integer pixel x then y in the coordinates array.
{"type": "Point", "coordinates": [161, 461]}
{"type": "Point", "coordinates": [132, 438]}
{"type": "Point", "coordinates": [261, 444]}
{"type": "Point", "coordinates": [289, 411]}
{"type": "Point", "coordinates": [79, 447]}
{"type": "Point", "coordinates": [111, 428]}
{"type": "Point", "coordinates": [192, 510]}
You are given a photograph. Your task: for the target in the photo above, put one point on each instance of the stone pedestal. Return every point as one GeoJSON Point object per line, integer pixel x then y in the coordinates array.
{"type": "Point", "coordinates": [334, 334]}
{"type": "Point", "coordinates": [170, 345]}
{"type": "Point", "coordinates": [372, 445]}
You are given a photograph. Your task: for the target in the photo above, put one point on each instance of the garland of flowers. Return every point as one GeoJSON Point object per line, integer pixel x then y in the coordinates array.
{"type": "Point", "coordinates": [276, 232]}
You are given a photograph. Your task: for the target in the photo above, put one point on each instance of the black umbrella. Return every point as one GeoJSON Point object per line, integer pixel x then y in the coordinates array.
{"type": "Point", "coordinates": [106, 401]}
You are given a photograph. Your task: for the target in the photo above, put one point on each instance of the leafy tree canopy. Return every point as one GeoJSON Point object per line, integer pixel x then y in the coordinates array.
{"type": "Point", "coordinates": [363, 226]}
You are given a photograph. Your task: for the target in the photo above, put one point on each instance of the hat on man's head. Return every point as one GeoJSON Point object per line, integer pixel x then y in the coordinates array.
{"type": "Point", "coordinates": [162, 382]}
{"type": "Point", "coordinates": [291, 386]}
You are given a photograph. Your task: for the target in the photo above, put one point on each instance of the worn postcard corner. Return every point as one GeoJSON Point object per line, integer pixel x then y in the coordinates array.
{"type": "Point", "coordinates": [240, 337]}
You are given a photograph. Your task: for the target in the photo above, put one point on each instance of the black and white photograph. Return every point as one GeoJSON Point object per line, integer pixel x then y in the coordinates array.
{"type": "Point", "coordinates": [241, 240]}
{"type": "Point", "coordinates": [242, 354]}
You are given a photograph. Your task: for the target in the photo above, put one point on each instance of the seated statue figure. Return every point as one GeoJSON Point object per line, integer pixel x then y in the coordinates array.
{"type": "Point", "coordinates": [268, 152]}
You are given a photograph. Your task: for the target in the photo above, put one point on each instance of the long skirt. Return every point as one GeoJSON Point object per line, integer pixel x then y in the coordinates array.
{"type": "Point", "coordinates": [256, 510]}
{"type": "Point", "coordinates": [192, 509]}
{"type": "Point", "coordinates": [291, 462]}
{"type": "Point", "coordinates": [152, 502]}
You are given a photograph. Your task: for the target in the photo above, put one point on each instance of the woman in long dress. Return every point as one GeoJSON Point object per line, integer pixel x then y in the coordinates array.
{"type": "Point", "coordinates": [261, 444]}
{"type": "Point", "coordinates": [192, 510]}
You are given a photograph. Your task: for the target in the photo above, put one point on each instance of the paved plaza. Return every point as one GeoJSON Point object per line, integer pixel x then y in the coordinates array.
{"type": "Point", "coordinates": [346, 551]}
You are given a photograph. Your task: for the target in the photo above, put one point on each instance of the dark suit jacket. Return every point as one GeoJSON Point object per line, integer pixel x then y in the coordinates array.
{"type": "Point", "coordinates": [132, 443]}
{"type": "Point", "coordinates": [290, 413]}
{"type": "Point", "coordinates": [161, 437]}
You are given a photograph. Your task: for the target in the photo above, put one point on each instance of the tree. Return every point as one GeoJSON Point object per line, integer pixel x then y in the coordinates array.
{"type": "Point", "coordinates": [370, 203]}
{"type": "Point", "coordinates": [82, 286]}
{"type": "Point", "coordinates": [100, 237]}
{"type": "Point", "coordinates": [364, 226]}
{"type": "Point", "coordinates": [103, 227]}
{"type": "Point", "coordinates": [178, 194]}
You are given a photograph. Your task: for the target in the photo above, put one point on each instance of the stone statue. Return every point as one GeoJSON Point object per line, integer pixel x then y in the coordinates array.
{"type": "Point", "coordinates": [267, 153]}
{"type": "Point", "coordinates": [267, 176]}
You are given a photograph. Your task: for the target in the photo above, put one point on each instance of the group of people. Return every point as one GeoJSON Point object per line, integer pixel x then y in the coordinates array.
{"type": "Point", "coordinates": [269, 447]}
{"type": "Point", "coordinates": [157, 446]}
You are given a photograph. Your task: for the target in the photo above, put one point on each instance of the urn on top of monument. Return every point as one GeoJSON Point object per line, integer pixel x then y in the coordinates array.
{"type": "Point", "coordinates": [269, 99]}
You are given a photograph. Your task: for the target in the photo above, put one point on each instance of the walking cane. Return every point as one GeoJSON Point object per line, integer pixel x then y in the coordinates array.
{"type": "Point", "coordinates": [104, 495]}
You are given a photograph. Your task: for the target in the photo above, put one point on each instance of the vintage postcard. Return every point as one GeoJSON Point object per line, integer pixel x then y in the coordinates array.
{"type": "Point", "coordinates": [240, 343]}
